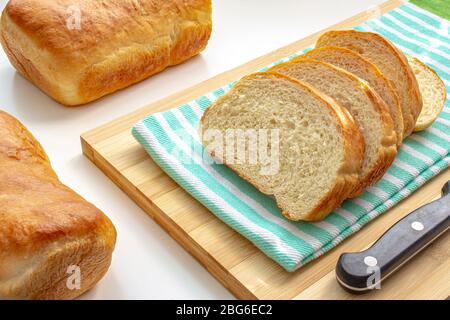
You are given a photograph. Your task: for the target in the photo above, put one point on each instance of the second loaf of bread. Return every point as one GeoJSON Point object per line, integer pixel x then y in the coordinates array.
{"type": "Point", "coordinates": [77, 51]}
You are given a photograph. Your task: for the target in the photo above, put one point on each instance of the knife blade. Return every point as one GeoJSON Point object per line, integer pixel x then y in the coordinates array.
{"type": "Point", "coordinates": [363, 271]}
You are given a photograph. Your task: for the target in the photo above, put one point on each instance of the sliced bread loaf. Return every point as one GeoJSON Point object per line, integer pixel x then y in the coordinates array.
{"type": "Point", "coordinates": [391, 62]}
{"type": "Point", "coordinates": [433, 93]}
{"type": "Point", "coordinates": [354, 63]}
{"type": "Point", "coordinates": [364, 104]}
{"type": "Point", "coordinates": [319, 146]}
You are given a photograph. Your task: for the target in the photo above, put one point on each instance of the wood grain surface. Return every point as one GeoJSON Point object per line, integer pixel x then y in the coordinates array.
{"type": "Point", "coordinates": [232, 259]}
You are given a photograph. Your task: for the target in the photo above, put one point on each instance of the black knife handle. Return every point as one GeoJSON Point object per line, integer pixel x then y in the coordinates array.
{"type": "Point", "coordinates": [363, 271]}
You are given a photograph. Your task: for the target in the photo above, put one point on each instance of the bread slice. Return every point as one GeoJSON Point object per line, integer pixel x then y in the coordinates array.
{"type": "Point", "coordinates": [390, 61]}
{"type": "Point", "coordinates": [433, 93]}
{"type": "Point", "coordinates": [354, 63]}
{"type": "Point", "coordinates": [367, 108]}
{"type": "Point", "coordinates": [319, 149]}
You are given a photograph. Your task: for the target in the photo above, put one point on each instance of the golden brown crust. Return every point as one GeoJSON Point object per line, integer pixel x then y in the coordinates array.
{"type": "Point", "coordinates": [395, 109]}
{"type": "Point", "coordinates": [118, 43]}
{"type": "Point", "coordinates": [347, 178]}
{"type": "Point", "coordinates": [413, 93]}
{"type": "Point", "coordinates": [388, 143]}
{"type": "Point", "coordinates": [45, 227]}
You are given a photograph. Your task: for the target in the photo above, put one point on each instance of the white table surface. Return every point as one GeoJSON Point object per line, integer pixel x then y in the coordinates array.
{"type": "Point", "coordinates": [148, 263]}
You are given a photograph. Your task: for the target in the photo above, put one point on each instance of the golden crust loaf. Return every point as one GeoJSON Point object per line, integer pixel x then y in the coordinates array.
{"type": "Point", "coordinates": [45, 227]}
{"type": "Point", "coordinates": [117, 44]}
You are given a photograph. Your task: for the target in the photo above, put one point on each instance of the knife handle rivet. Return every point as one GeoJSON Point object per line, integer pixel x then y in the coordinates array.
{"type": "Point", "coordinates": [418, 226]}
{"type": "Point", "coordinates": [370, 261]}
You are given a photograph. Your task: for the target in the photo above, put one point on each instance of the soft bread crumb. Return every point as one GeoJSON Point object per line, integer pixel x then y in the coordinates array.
{"type": "Point", "coordinates": [320, 147]}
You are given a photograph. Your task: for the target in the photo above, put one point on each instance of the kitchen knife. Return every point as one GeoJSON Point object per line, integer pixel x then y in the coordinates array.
{"type": "Point", "coordinates": [363, 271]}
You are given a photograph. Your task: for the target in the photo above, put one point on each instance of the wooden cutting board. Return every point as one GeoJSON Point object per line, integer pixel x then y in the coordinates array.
{"type": "Point", "coordinates": [232, 259]}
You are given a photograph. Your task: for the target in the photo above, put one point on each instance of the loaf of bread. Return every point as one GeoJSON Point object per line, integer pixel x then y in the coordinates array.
{"type": "Point", "coordinates": [77, 51]}
{"type": "Point", "coordinates": [354, 63]}
{"type": "Point", "coordinates": [319, 146]}
{"type": "Point", "coordinates": [391, 62]}
{"type": "Point", "coordinates": [53, 243]}
{"type": "Point", "coordinates": [363, 103]}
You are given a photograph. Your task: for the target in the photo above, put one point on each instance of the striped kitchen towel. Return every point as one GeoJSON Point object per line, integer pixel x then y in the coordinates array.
{"type": "Point", "coordinates": [171, 140]}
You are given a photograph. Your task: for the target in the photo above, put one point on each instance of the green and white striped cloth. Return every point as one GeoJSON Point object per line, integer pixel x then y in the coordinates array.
{"type": "Point", "coordinates": [171, 139]}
